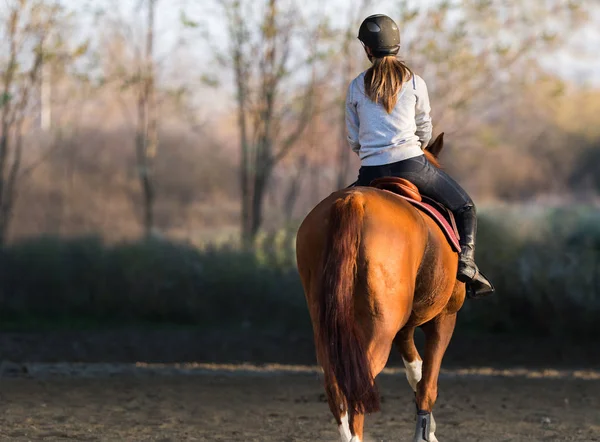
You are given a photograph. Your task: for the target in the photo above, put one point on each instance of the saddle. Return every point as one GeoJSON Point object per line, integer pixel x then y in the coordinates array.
{"type": "Point", "coordinates": [439, 213]}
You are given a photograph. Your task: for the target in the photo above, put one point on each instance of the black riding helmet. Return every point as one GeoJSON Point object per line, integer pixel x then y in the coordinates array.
{"type": "Point", "coordinates": [380, 34]}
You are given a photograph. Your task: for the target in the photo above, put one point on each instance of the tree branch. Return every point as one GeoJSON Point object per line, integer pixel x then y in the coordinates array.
{"type": "Point", "coordinates": [305, 116]}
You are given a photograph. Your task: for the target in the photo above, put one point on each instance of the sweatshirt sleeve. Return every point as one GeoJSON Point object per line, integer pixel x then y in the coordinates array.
{"type": "Point", "coordinates": [422, 110]}
{"type": "Point", "coordinates": [352, 122]}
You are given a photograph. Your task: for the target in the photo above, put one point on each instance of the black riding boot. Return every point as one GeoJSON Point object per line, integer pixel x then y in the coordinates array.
{"type": "Point", "coordinates": [478, 285]}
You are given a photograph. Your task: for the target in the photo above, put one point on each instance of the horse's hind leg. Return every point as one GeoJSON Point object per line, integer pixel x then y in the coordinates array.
{"type": "Point", "coordinates": [337, 405]}
{"type": "Point", "coordinates": [413, 365]}
{"type": "Point", "coordinates": [410, 356]}
{"type": "Point", "coordinates": [438, 333]}
{"type": "Point", "coordinates": [351, 425]}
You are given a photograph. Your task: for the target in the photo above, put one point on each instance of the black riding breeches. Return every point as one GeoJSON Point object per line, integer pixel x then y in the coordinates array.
{"type": "Point", "coordinates": [431, 181]}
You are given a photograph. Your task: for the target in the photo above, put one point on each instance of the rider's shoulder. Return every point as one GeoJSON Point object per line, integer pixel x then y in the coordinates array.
{"type": "Point", "coordinates": [418, 81]}
{"type": "Point", "coordinates": [359, 79]}
{"type": "Point", "coordinates": [358, 83]}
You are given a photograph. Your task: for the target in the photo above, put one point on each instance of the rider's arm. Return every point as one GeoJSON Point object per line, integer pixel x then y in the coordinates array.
{"type": "Point", "coordinates": [422, 109]}
{"type": "Point", "coordinates": [352, 122]}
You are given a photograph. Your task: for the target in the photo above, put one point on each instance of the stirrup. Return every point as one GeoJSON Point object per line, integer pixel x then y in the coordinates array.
{"type": "Point", "coordinates": [477, 284]}
{"type": "Point", "coordinates": [479, 287]}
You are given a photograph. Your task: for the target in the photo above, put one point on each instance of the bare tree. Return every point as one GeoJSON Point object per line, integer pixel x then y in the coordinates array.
{"type": "Point", "coordinates": [146, 126]}
{"type": "Point", "coordinates": [29, 30]}
{"type": "Point", "coordinates": [136, 67]}
{"type": "Point", "coordinates": [270, 121]}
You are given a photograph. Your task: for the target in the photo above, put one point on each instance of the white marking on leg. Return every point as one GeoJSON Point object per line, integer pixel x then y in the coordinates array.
{"type": "Point", "coordinates": [413, 372]}
{"type": "Point", "coordinates": [355, 439]}
{"type": "Point", "coordinates": [432, 428]}
{"type": "Point", "coordinates": [345, 429]}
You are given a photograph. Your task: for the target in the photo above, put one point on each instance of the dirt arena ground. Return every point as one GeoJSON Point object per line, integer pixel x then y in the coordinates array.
{"type": "Point", "coordinates": [103, 402]}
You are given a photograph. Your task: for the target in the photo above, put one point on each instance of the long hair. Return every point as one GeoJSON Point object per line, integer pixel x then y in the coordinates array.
{"type": "Point", "coordinates": [384, 80]}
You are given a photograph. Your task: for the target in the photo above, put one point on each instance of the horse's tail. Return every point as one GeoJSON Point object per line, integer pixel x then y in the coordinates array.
{"type": "Point", "coordinates": [343, 351]}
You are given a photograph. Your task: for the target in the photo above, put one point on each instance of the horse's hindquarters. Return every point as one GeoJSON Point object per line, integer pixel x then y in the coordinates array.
{"type": "Point", "coordinates": [393, 238]}
{"type": "Point", "coordinates": [358, 255]}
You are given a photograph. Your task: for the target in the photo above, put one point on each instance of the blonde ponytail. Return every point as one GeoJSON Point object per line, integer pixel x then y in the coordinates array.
{"type": "Point", "coordinates": [384, 80]}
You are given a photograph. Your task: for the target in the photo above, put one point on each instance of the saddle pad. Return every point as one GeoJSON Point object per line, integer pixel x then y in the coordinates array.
{"type": "Point", "coordinates": [435, 214]}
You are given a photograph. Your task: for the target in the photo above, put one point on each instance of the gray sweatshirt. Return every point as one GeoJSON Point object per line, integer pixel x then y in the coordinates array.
{"type": "Point", "coordinates": [380, 138]}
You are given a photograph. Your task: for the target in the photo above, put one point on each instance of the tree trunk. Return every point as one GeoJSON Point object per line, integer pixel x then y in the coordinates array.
{"type": "Point", "coordinates": [293, 192]}
{"type": "Point", "coordinates": [3, 157]}
{"type": "Point", "coordinates": [147, 136]}
{"type": "Point", "coordinates": [46, 97]}
{"type": "Point", "coordinates": [12, 121]}
{"type": "Point", "coordinates": [263, 165]}
{"type": "Point", "coordinates": [259, 71]}
{"type": "Point", "coordinates": [8, 77]}
{"type": "Point", "coordinates": [344, 149]}
{"type": "Point", "coordinates": [245, 188]}
{"type": "Point", "coordinates": [237, 28]}
{"type": "Point", "coordinates": [10, 196]}
{"type": "Point", "coordinates": [258, 197]}
{"type": "Point", "coordinates": [343, 159]}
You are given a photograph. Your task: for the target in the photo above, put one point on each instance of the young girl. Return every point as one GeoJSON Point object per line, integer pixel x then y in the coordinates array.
{"type": "Point", "coordinates": [388, 124]}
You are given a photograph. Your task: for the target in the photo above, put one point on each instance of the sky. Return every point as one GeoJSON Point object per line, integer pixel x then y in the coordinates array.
{"type": "Point", "coordinates": [578, 61]}
{"type": "Point", "coordinates": [582, 63]}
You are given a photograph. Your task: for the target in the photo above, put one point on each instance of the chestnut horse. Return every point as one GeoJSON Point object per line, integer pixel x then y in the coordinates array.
{"type": "Point", "coordinates": [374, 268]}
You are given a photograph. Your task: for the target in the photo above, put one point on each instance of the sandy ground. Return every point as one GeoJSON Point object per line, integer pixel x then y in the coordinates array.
{"type": "Point", "coordinates": [282, 403]}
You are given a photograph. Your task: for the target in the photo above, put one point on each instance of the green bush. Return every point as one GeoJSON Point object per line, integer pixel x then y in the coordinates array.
{"type": "Point", "coordinates": [153, 281]}
{"type": "Point", "coordinates": [546, 268]}
{"type": "Point", "coordinates": [545, 265]}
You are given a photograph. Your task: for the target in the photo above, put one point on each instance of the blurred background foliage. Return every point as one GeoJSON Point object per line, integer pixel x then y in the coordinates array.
{"type": "Point", "coordinates": [156, 157]}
